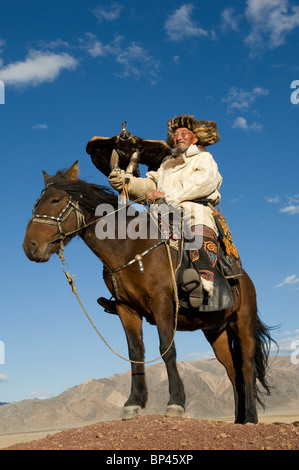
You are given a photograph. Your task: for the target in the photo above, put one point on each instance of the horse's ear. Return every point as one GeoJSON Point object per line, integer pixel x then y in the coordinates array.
{"type": "Point", "coordinates": [46, 176]}
{"type": "Point", "coordinates": [73, 172]}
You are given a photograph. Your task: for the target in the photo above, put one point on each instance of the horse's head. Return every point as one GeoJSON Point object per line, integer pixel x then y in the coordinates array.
{"type": "Point", "coordinates": [55, 216]}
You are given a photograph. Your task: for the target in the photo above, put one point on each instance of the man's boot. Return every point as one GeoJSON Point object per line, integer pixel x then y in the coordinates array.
{"type": "Point", "coordinates": [204, 260]}
{"type": "Point", "coordinates": [191, 284]}
{"type": "Point", "coordinates": [108, 305]}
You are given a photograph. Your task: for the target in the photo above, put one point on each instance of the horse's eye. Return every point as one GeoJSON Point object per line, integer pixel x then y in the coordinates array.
{"type": "Point", "coordinates": [55, 200]}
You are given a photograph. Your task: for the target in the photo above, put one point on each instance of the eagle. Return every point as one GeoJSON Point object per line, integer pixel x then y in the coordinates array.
{"type": "Point", "coordinates": [126, 151]}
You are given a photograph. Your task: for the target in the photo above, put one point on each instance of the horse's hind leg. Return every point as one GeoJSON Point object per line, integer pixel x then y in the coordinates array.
{"type": "Point", "coordinates": [222, 347]}
{"type": "Point", "coordinates": [246, 344]}
{"type": "Point", "coordinates": [132, 324]}
{"type": "Point", "coordinates": [239, 365]}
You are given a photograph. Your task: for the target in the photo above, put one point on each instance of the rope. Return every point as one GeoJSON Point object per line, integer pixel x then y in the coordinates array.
{"type": "Point", "coordinates": [70, 280]}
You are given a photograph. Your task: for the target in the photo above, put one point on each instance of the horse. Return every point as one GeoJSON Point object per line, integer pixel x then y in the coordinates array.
{"type": "Point", "coordinates": [240, 340]}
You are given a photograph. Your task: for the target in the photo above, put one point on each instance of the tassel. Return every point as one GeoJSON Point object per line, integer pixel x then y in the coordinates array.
{"type": "Point", "coordinates": [230, 248]}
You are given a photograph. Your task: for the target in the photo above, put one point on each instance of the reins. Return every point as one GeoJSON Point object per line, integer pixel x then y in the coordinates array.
{"type": "Point", "coordinates": [70, 280]}
{"type": "Point", "coordinates": [65, 213]}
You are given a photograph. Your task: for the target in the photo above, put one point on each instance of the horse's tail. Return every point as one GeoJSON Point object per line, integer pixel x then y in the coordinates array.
{"type": "Point", "coordinates": [263, 342]}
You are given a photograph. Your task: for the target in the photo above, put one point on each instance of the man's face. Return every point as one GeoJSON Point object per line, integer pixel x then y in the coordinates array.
{"type": "Point", "coordinates": [183, 138]}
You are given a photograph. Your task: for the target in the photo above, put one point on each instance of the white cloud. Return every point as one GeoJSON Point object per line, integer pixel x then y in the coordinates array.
{"type": "Point", "coordinates": [199, 356]}
{"type": "Point", "coordinates": [93, 46]}
{"type": "Point", "coordinates": [238, 99]}
{"type": "Point", "coordinates": [241, 123]}
{"type": "Point", "coordinates": [3, 378]}
{"type": "Point", "coordinates": [272, 200]}
{"type": "Point", "coordinates": [108, 13]}
{"type": "Point", "coordinates": [238, 198]}
{"type": "Point", "coordinates": [271, 21]}
{"type": "Point", "coordinates": [291, 210]}
{"type": "Point", "coordinates": [37, 68]}
{"type": "Point", "coordinates": [134, 59]}
{"type": "Point", "coordinates": [40, 126]}
{"type": "Point", "coordinates": [289, 344]}
{"type": "Point", "coordinates": [289, 280]}
{"type": "Point", "coordinates": [230, 21]}
{"type": "Point", "coordinates": [46, 45]}
{"type": "Point", "coordinates": [180, 24]}
{"type": "Point", "coordinates": [293, 206]}
{"type": "Point", "coordinates": [40, 394]}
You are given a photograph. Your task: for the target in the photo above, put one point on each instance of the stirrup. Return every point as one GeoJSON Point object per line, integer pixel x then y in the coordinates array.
{"type": "Point", "coordinates": [108, 305]}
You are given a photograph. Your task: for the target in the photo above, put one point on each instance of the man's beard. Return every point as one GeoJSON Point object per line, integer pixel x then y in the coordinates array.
{"type": "Point", "coordinates": [178, 151]}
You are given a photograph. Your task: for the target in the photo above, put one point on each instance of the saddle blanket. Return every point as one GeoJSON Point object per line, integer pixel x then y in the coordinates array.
{"type": "Point", "coordinates": [221, 298]}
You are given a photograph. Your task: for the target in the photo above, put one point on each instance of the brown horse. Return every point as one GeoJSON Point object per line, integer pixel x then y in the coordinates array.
{"type": "Point", "coordinates": [66, 208]}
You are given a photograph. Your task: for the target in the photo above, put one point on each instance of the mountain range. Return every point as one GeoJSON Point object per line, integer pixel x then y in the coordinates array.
{"type": "Point", "coordinates": [208, 390]}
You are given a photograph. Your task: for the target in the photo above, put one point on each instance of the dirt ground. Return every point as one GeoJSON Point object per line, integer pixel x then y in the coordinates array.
{"type": "Point", "coordinates": [155, 432]}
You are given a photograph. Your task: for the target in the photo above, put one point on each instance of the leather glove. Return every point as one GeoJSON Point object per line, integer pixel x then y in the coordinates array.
{"type": "Point", "coordinates": [117, 179]}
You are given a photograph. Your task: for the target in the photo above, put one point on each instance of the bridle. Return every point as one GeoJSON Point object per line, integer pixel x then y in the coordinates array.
{"type": "Point", "coordinates": [71, 206]}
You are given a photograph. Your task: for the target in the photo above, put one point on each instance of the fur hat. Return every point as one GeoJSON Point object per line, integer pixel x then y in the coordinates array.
{"type": "Point", "coordinates": [205, 131]}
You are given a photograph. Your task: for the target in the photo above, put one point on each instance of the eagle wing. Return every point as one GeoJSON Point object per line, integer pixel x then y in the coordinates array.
{"type": "Point", "coordinates": [153, 152]}
{"type": "Point", "coordinates": [100, 150]}
{"type": "Point", "coordinates": [150, 152]}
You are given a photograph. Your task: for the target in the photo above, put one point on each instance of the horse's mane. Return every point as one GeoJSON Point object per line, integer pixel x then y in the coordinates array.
{"type": "Point", "coordinates": [88, 194]}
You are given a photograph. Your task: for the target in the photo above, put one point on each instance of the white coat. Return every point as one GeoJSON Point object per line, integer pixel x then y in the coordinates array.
{"type": "Point", "coordinates": [196, 177]}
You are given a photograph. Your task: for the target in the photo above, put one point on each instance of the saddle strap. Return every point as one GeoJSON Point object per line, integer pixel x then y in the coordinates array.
{"type": "Point", "coordinates": [137, 259]}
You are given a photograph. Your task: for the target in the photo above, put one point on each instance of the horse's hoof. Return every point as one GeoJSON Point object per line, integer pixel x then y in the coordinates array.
{"type": "Point", "coordinates": [131, 412]}
{"type": "Point", "coordinates": [174, 411]}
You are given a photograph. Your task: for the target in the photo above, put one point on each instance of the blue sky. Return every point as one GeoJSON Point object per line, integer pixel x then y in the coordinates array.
{"type": "Point", "coordinates": [76, 69]}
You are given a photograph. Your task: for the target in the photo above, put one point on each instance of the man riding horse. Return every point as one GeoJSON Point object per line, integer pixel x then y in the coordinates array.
{"type": "Point", "coordinates": [188, 177]}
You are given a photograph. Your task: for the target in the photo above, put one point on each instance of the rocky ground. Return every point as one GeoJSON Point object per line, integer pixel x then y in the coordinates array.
{"type": "Point", "coordinates": [154, 432]}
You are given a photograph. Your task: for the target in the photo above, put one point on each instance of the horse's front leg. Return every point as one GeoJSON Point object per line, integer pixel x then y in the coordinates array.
{"type": "Point", "coordinates": [132, 324]}
{"type": "Point", "coordinates": [177, 397]}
